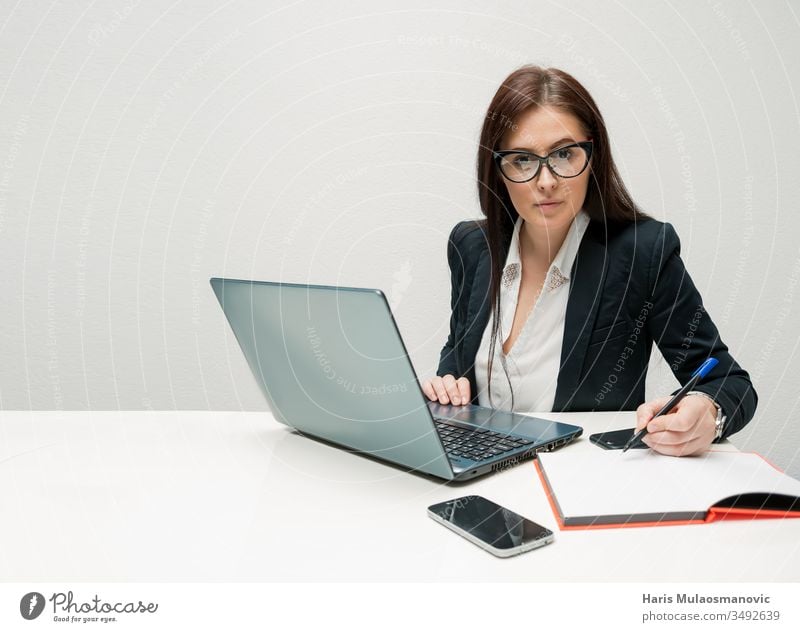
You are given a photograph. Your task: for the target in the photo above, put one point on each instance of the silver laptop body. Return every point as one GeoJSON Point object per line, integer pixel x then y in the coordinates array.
{"type": "Point", "coordinates": [332, 364]}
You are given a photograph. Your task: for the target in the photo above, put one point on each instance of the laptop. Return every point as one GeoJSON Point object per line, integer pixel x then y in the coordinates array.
{"type": "Point", "coordinates": [331, 364]}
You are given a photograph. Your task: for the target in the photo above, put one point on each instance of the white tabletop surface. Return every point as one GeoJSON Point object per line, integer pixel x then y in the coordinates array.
{"type": "Point", "coordinates": [230, 496]}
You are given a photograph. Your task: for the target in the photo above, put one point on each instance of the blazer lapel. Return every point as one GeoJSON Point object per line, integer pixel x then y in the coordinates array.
{"type": "Point", "coordinates": [479, 307]}
{"type": "Point", "coordinates": [585, 292]}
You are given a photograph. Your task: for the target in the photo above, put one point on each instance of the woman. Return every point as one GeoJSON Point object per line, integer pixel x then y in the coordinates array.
{"type": "Point", "coordinates": [578, 281]}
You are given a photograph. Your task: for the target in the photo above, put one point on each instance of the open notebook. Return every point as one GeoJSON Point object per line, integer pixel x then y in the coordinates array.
{"type": "Point", "coordinates": [609, 488]}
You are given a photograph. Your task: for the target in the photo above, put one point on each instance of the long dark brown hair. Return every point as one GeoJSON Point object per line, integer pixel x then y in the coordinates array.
{"type": "Point", "coordinates": [607, 199]}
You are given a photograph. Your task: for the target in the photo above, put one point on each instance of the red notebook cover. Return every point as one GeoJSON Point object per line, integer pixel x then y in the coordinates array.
{"type": "Point", "coordinates": [604, 474]}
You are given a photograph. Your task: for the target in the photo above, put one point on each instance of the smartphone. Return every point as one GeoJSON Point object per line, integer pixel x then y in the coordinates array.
{"type": "Point", "coordinates": [492, 527]}
{"type": "Point", "coordinates": [616, 439]}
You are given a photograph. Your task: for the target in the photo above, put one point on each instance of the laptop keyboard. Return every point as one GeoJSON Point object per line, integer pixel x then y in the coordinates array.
{"type": "Point", "coordinates": [477, 444]}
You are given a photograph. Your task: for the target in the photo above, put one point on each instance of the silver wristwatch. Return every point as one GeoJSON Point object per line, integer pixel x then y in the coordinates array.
{"type": "Point", "coordinates": [719, 425]}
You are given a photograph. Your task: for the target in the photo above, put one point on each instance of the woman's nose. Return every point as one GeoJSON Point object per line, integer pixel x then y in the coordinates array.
{"type": "Point", "coordinates": [545, 178]}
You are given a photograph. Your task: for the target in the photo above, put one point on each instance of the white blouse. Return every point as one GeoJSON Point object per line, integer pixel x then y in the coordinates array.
{"type": "Point", "coordinates": [535, 359]}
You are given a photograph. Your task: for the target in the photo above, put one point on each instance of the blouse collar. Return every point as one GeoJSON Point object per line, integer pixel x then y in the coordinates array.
{"type": "Point", "coordinates": [560, 268]}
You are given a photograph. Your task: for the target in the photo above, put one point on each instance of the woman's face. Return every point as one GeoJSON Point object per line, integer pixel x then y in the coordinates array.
{"type": "Point", "coordinates": [541, 130]}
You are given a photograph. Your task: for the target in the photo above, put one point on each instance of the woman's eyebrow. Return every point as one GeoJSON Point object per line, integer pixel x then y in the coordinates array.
{"type": "Point", "coordinates": [555, 144]}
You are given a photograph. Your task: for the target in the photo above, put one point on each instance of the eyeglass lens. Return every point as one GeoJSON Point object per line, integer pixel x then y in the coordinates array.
{"type": "Point", "coordinates": [567, 162]}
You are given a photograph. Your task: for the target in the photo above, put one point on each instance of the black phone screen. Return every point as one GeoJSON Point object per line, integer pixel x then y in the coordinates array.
{"type": "Point", "coordinates": [489, 522]}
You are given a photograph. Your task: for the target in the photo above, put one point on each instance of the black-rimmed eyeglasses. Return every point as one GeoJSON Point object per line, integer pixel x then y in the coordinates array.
{"type": "Point", "coordinates": [565, 162]}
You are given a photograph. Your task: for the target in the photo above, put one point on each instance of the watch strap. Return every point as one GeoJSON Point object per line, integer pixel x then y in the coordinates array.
{"type": "Point", "coordinates": [719, 425]}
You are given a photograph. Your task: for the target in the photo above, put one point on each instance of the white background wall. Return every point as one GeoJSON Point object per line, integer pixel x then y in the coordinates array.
{"type": "Point", "coordinates": [146, 146]}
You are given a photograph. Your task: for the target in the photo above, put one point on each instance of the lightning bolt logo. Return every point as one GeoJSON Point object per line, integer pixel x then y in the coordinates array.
{"type": "Point", "coordinates": [31, 605]}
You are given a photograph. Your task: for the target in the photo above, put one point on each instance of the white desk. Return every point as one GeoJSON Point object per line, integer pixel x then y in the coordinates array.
{"type": "Point", "coordinates": [210, 496]}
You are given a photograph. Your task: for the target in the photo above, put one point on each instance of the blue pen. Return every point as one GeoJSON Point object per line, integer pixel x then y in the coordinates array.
{"type": "Point", "coordinates": [699, 374]}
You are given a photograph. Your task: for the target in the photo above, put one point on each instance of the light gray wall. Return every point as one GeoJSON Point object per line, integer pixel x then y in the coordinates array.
{"type": "Point", "coordinates": [145, 147]}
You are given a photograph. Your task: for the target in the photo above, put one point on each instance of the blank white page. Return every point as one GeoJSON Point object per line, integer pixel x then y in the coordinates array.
{"type": "Point", "coordinates": [608, 482]}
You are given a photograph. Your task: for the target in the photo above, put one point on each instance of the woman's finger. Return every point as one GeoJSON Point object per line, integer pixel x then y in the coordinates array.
{"type": "Point", "coordinates": [441, 392]}
{"type": "Point", "coordinates": [670, 437]}
{"type": "Point", "coordinates": [688, 448]}
{"type": "Point", "coordinates": [452, 389]}
{"type": "Point", "coordinates": [679, 420]}
{"type": "Point", "coordinates": [646, 411]}
{"type": "Point", "coordinates": [463, 389]}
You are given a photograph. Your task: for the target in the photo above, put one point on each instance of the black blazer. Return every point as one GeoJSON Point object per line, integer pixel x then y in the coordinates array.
{"type": "Point", "coordinates": [628, 288]}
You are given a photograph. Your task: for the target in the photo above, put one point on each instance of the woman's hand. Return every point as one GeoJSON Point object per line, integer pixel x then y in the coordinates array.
{"type": "Point", "coordinates": [687, 429]}
{"type": "Point", "coordinates": [447, 390]}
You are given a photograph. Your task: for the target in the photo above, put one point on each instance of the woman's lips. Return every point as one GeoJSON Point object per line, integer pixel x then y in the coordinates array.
{"type": "Point", "coordinates": [548, 204]}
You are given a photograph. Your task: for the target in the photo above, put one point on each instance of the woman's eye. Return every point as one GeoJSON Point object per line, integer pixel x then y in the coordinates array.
{"type": "Point", "coordinates": [563, 153]}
